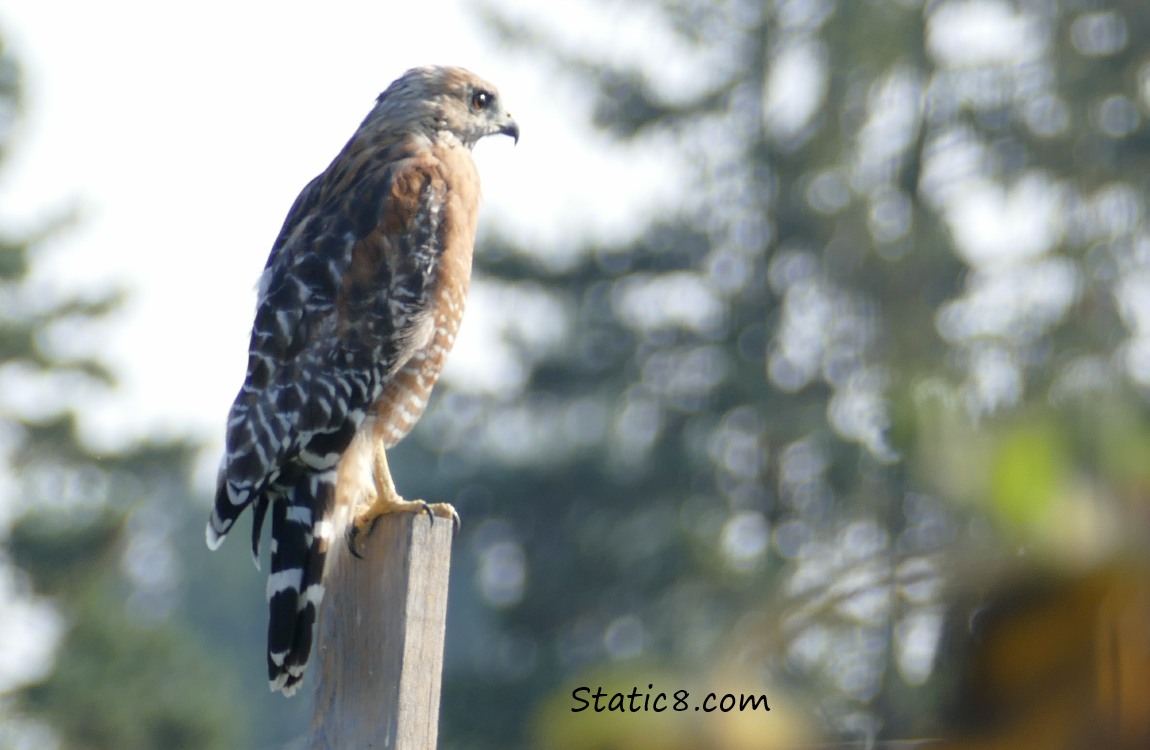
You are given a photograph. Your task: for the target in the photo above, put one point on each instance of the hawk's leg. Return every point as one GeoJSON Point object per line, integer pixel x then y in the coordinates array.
{"type": "Point", "coordinates": [388, 501]}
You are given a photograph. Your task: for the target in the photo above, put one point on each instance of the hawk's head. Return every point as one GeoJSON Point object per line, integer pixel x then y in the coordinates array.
{"type": "Point", "coordinates": [437, 99]}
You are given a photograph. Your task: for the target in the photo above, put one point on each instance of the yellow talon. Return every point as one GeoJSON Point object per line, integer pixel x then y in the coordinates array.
{"type": "Point", "coordinates": [388, 501]}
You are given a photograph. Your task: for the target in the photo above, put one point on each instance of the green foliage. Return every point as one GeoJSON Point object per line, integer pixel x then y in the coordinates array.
{"type": "Point", "coordinates": [67, 557]}
{"type": "Point", "coordinates": [118, 682]}
{"type": "Point", "coordinates": [123, 676]}
{"type": "Point", "coordinates": [894, 339]}
{"type": "Point", "coordinates": [864, 415]}
{"type": "Point", "coordinates": [1030, 470]}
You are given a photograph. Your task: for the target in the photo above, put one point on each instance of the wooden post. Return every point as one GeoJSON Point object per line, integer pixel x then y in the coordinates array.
{"type": "Point", "coordinates": [380, 645]}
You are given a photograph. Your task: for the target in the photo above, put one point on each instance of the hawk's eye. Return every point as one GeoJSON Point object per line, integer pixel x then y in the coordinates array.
{"type": "Point", "coordinates": [481, 100]}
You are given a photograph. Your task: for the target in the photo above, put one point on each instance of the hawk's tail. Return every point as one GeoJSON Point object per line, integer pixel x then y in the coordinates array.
{"type": "Point", "coordinates": [230, 503]}
{"type": "Point", "coordinates": [301, 534]}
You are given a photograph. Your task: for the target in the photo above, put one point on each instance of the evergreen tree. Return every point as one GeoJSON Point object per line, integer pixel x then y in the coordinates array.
{"type": "Point", "coordinates": [91, 534]}
{"type": "Point", "coordinates": [899, 321]}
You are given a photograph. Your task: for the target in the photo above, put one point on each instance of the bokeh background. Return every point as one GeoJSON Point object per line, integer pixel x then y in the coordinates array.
{"type": "Point", "coordinates": [809, 356]}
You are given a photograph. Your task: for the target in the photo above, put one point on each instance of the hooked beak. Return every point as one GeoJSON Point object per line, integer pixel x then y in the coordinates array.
{"type": "Point", "coordinates": [511, 128]}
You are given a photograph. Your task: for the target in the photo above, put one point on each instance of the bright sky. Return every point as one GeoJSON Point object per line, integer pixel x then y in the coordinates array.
{"type": "Point", "coordinates": [185, 132]}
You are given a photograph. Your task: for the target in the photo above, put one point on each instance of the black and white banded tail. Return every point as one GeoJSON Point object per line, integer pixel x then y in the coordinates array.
{"type": "Point", "coordinates": [301, 535]}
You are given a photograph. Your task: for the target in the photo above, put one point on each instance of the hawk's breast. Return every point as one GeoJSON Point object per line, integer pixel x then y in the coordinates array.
{"type": "Point", "coordinates": [405, 396]}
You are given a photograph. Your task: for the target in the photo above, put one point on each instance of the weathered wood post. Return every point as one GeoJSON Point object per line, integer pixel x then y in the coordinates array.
{"type": "Point", "coordinates": [380, 644]}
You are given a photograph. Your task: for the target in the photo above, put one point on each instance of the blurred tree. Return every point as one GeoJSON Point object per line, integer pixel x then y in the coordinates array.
{"type": "Point", "coordinates": [859, 424]}
{"type": "Point", "coordinates": [897, 334]}
{"type": "Point", "coordinates": [90, 535]}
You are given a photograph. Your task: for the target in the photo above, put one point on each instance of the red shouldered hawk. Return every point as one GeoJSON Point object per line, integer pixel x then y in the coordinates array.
{"type": "Point", "coordinates": [358, 306]}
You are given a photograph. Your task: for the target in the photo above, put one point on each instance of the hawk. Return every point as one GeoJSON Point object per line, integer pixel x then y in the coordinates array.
{"type": "Point", "coordinates": [358, 305]}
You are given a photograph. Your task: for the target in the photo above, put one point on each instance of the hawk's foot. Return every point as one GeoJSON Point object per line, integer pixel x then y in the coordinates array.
{"type": "Point", "coordinates": [362, 526]}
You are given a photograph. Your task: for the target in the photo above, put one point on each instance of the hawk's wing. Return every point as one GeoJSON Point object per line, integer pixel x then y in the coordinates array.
{"type": "Point", "coordinates": [343, 303]}
{"type": "Point", "coordinates": [345, 300]}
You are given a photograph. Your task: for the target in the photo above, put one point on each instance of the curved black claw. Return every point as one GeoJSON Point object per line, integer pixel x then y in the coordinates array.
{"type": "Point", "coordinates": [455, 523]}
{"type": "Point", "coordinates": [353, 534]}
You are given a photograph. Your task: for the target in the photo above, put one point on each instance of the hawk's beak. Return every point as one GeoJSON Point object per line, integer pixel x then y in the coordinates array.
{"type": "Point", "coordinates": [511, 128]}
